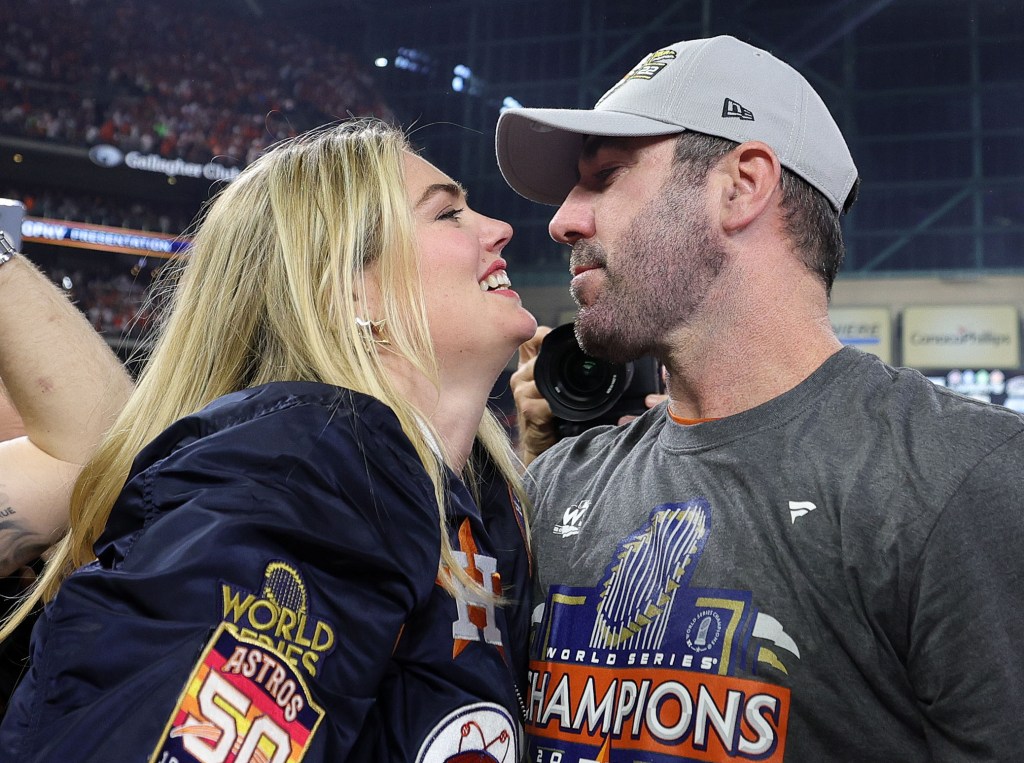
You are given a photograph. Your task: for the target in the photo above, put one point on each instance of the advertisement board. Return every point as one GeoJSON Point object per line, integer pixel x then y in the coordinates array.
{"type": "Point", "coordinates": [866, 328]}
{"type": "Point", "coordinates": [102, 238]}
{"type": "Point", "coordinates": [961, 336]}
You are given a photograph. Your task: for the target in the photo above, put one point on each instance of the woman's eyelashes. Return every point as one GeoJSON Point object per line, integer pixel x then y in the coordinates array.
{"type": "Point", "coordinates": [452, 214]}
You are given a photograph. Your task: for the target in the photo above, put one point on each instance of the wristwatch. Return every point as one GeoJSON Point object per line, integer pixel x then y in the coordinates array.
{"type": "Point", "coordinates": [7, 251]}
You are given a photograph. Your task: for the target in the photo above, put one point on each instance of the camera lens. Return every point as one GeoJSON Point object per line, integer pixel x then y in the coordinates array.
{"type": "Point", "coordinates": [578, 387]}
{"type": "Point", "coordinates": [583, 375]}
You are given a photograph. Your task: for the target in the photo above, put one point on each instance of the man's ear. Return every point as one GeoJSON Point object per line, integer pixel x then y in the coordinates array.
{"type": "Point", "coordinates": [752, 175]}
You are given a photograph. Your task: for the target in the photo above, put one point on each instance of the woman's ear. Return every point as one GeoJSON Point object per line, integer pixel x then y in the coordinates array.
{"type": "Point", "coordinates": [752, 173]}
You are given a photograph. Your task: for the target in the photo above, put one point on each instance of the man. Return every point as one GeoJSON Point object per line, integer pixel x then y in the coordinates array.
{"type": "Point", "coordinates": [803, 554]}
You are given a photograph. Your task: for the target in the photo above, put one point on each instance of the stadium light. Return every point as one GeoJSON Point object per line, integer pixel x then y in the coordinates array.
{"type": "Point", "coordinates": [381, 62]}
{"type": "Point", "coordinates": [414, 60]}
{"type": "Point", "coordinates": [509, 103]}
{"type": "Point", "coordinates": [457, 84]}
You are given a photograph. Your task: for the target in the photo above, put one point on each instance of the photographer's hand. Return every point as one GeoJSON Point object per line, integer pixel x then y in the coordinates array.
{"type": "Point", "coordinates": [536, 423]}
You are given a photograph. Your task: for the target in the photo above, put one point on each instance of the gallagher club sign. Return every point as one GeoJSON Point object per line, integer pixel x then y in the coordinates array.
{"type": "Point", "coordinates": [106, 155]}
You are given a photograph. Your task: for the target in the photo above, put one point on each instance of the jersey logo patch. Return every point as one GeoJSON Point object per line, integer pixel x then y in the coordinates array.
{"type": "Point", "coordinates": [479, 733]}
{"type": "Point", "coordinates": [476, 615]}
{"type": "Point", "coordinates": [278, 617]}
{"type": "Point", "coordinates": [243, 703]}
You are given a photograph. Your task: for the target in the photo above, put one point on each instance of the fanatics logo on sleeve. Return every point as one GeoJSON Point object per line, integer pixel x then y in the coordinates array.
{"type": "Point", "coordinates": [799, 509]}
{"type": "Point", "coordinates": [572, 519]}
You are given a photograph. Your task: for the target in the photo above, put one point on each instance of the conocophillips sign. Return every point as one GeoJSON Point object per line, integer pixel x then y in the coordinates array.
{"type": "Point", "coordinates": [106, 155]}
{"type": "Point", "coordinates": [961, 336]}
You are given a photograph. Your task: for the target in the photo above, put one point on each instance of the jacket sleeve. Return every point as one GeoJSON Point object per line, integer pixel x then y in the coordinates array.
{"type": "Point", "coordinates": [292, 549]}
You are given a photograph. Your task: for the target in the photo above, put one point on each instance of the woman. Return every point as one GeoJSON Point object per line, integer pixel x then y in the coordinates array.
{"type": "Point", "coordinates": [316, 554]}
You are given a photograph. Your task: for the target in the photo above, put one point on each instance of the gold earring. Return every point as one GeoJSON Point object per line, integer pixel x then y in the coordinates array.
{"type": "Point", "coordinates": [372, 331]}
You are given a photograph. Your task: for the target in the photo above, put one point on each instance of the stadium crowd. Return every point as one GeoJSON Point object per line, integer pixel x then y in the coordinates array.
{"type": "Point", "coordinates": [112, 290]}
{"type": "Point", "coordinates": [151, 81]}
{"type": "Point", "coordinates": [99, 209]}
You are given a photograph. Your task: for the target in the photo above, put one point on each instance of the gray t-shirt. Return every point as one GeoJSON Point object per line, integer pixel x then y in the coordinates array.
{"type": "Point", "coordinates": [835, 575]}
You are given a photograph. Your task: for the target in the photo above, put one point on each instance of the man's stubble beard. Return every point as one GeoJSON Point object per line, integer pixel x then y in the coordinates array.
{"type": "Point", "coordinates": [666, 263]}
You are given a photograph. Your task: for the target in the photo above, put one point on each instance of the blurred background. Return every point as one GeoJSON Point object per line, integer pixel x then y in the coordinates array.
{"type": "Point", "coordinates": [118, 120]}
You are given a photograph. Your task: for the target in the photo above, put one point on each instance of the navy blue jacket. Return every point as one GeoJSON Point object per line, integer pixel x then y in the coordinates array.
{"type": "Point", "coordinates": [266, 590]}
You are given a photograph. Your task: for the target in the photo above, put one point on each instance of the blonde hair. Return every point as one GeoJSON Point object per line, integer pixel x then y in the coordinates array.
{"type": "Point", "coordinates": [272, 285]}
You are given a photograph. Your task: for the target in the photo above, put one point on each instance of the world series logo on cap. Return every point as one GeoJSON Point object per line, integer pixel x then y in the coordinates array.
{"type": "Point", "coordinates": [7, 250]}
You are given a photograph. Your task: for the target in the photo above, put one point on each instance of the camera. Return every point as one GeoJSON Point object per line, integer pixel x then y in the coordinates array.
{"type": "Point", "coordinates": [584, 391]}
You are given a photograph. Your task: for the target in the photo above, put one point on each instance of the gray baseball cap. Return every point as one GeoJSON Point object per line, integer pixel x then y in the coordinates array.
{"type": "Point", "coordinates": [718, 86]}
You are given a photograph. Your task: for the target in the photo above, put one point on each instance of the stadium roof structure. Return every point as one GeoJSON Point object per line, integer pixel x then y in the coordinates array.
{"type": "Point", "coordinates": [928, 92]}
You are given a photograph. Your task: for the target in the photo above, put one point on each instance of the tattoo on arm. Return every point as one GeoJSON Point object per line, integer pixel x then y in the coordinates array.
{"type": "Point", "coordinates": [18, 545]}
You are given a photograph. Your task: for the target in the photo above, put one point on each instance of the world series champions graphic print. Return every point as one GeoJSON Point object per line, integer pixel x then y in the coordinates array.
{"type": "Point", "coordinates": [645, 668]}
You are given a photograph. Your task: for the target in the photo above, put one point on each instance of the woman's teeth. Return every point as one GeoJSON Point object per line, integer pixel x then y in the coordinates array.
{"type": "Point", "coordinates": [496, 280]}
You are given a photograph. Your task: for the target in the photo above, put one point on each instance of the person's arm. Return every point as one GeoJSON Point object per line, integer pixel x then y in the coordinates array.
{"type": "Point", "coordinates": [10, 421]}
{"type": "Point", "coordinates": [68, 386]}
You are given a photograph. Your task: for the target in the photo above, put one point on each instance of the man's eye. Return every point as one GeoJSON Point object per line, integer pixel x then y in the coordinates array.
{"type": "Point", "coordinates": [451, 214]}
{"type": "Point", "coordinates": [602, 176]}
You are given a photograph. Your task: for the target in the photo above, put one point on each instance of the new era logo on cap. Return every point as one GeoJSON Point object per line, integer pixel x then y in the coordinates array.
{"type": "Point", "coordinates": [732, 109]}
